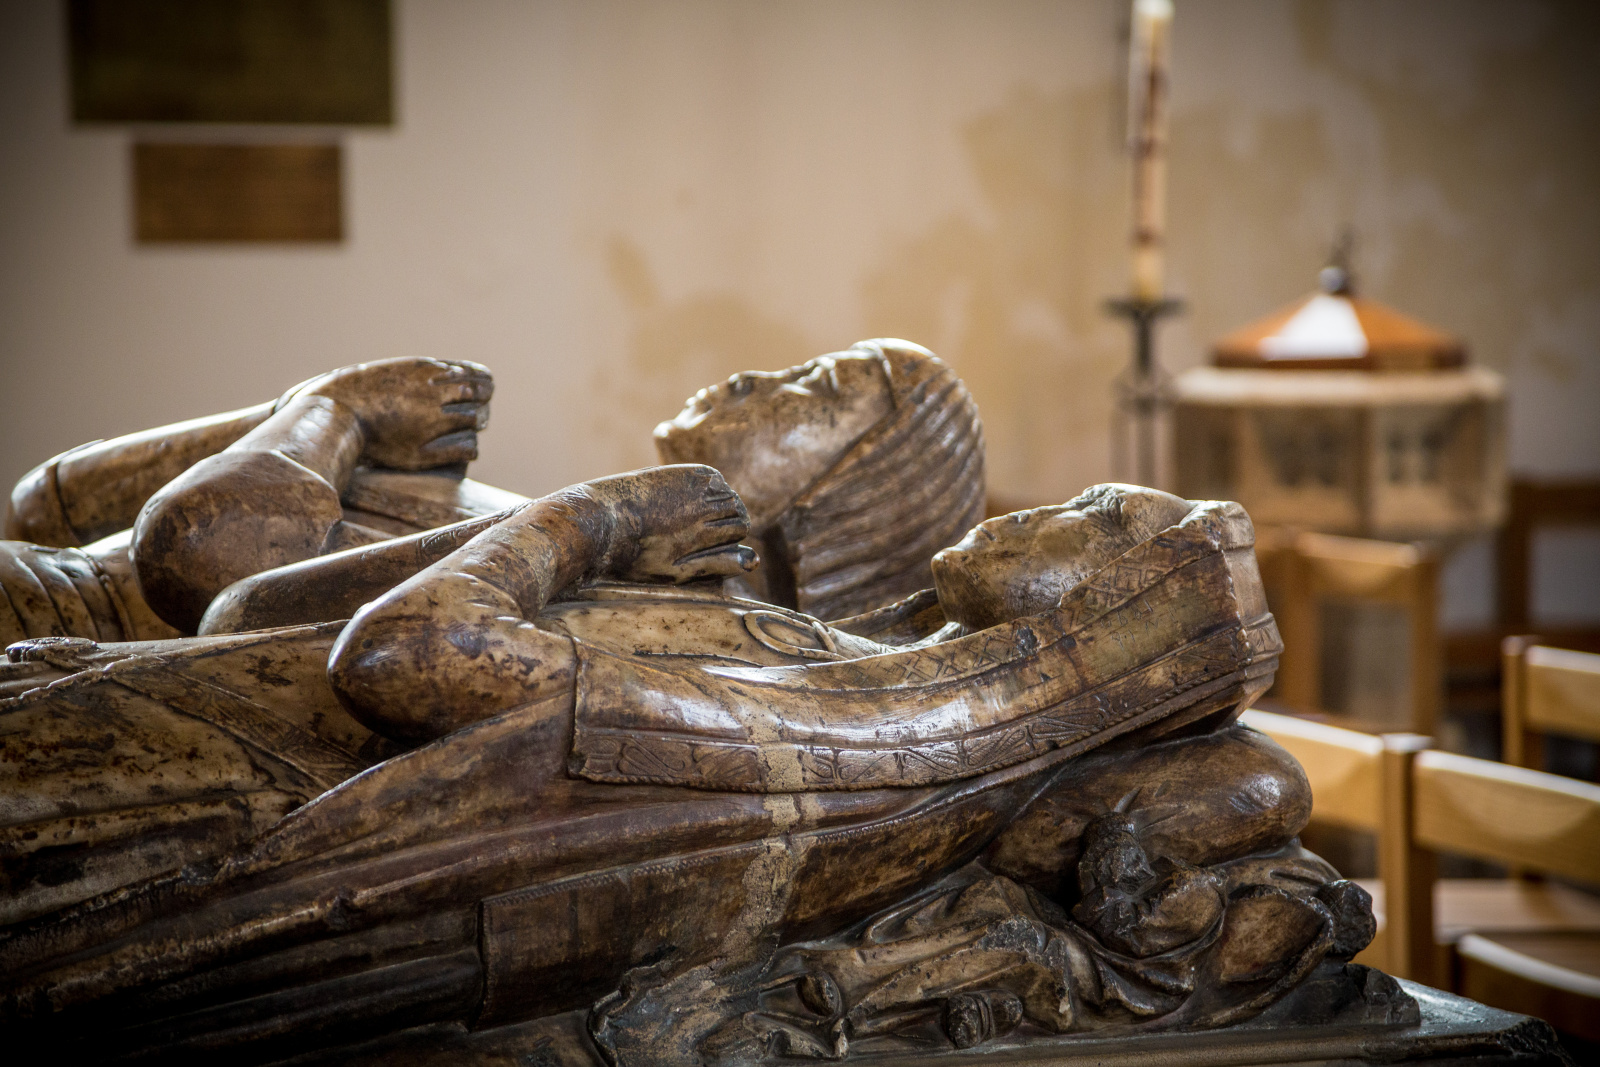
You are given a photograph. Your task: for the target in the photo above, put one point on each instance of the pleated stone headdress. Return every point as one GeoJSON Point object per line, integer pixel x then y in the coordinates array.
{"type": "Point", "coordinates": [862, 535]}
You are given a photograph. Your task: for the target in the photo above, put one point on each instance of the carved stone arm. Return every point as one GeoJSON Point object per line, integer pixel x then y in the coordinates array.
{"type": "Point", "coordinates": [273, 497]}
{"type": "Point", "coordinates": [97, 489]}
{"type": "Point", "coordinates": [334, 586]}
{"type": "Point", "coordinates": [456, 643]}
{"type": "Point", "coordinates": [269, 499]}
{"type": "Point", "coordinates": [416, 414]}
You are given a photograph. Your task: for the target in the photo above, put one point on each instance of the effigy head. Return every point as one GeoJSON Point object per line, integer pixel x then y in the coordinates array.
{"type": "Point", "coordinates": [772, 433]}
{"type": "Point", "coordinates": [856, 468]}
{"type": "Point", "coordinates": [1021, 564]}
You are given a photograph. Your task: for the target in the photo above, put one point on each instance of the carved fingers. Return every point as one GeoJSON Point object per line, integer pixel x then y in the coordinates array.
{"type": "Point", "coordinates": [675, 524]}
{"type": "Point", "coordinates": [417, 413]}
{"type": "Point", "coordinates": [462, 390]}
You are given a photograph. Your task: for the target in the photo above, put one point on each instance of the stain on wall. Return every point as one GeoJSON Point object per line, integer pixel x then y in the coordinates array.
{"type": "Point", "coordinates": [616, 202]}
{"type": "Point", "coordinates": [677, 347]}
{"type": "Point", "coordinates": [1012, 294]}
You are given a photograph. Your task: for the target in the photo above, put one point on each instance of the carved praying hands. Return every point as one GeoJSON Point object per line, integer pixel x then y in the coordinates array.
{"type": "Point", "coordinates": [454, 644]}
{"type": "Point", "coordinates": [415, 414]}
{"type": "Point", "coordinates": [677, 524]}
{"type": "Point", "coordinates": [273, 497]}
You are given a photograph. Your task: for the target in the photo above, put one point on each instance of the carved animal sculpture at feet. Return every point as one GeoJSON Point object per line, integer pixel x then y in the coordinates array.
{"type": "Point", "coordinates": [595, 781]}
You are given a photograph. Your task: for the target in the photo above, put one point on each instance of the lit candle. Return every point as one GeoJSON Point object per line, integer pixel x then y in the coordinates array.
{"type": "Point", "coordinates": [1147, 103]}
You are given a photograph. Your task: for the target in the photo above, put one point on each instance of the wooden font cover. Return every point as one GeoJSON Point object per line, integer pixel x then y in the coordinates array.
{"type": "Point", "coordinates": [1333, 329]}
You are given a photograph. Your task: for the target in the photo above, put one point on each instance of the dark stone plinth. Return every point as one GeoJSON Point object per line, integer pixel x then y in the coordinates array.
{"type": "Point", "coordinates": [1451, 1031]}
{"type": "Point", "coordinates": [1445, 1031]}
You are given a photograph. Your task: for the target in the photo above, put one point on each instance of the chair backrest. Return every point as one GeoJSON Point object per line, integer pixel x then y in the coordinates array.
{"type": "Point", "coordinates": [1546, 690]}
{"type": "Point", "coordinates": [1419, 802]}
{"type": "Point", "coordinates": [1508, 815]}
{"type": "Point", "coordinates": [1535, 505]}
{"type": "Point", "coordinates": [1527, 820]}
{"type": "Point", "coordinates": [1363, 782]}
{"type": "Point", "coordinates": [1303, 569]}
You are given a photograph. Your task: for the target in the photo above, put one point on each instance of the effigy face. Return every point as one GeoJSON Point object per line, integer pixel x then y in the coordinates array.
{"type": "Point", "coordinates": [773, 434]}
{"type": "Point", "coordinates": [856, 468]}
{"type": "Point", "coordinates": [1025, 562]}
{"type": "Point", "coordinates": [554, 782]}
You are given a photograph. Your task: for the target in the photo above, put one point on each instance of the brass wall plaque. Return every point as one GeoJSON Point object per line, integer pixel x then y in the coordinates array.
{"type": "Point", "coordinates": [234, 192]}
{"type": "Point", "coordinates": [317, 61]}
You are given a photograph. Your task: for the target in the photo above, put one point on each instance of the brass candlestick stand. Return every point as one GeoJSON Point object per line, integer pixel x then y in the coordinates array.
{"type": "Point", "coordinates": [1142, 393]}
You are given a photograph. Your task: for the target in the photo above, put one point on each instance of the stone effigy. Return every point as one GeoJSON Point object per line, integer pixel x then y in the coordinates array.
{"type": "Point", "coordinates": [200, 744]}
{"type": "Point", "coordinates": [553, 777]}
{"type": "Point", "coordinates": [861, 465]}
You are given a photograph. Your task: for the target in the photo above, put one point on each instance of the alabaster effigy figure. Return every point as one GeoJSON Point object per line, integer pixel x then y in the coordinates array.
{"type": "Point", "coordinates": [225, 497]}
{"type": "Point", "coordinates": [598, 785]}
{"type": "Point", "coordinates": [645, 789]}
{"type": "Point", "coordinates": [200, 744]}
{"type": "Point", "coordinates": [858, 466]}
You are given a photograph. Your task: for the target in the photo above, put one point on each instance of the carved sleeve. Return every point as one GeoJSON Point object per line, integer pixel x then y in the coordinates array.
{"type": "Point", "coordinates": [97, 489]}
{"type": "Point", "coordinates": [334, 586]}
{"type": "Point", "coordinates": [269, 499]}
{"type": "Point", "coordinates": [455, 643]}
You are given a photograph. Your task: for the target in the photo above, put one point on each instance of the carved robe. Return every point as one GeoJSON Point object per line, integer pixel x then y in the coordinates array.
{"type": "Point", "coordinates": [475, 878]}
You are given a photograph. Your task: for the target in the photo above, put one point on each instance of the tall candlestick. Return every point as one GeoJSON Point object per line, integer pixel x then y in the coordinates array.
{"type": "Point", "coordinates": [1147, 103]}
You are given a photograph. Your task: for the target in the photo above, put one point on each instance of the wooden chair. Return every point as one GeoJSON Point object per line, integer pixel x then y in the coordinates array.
{"type": "Point", "coordinates": [1530, 820]}
{"type": "Point", "coordinates": [1546, 691]}
{"type": "Point", "coordinates": [1473, 662]}
{"type": "Point", "coordinates": [1303, 570]}
{"type": "Point", "coordinates": [1361, 781]}
{"type": "Point", "coordinates": [1369, 783]}
{"type": "Point", "coordinates": [1535, 506]}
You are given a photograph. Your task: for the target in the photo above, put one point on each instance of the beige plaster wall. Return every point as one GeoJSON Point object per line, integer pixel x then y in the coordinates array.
{"type": "Point", "coordinates": [614, 203]}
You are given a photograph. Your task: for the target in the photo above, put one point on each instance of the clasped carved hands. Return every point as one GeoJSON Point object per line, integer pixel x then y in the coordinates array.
{"type": "Point", "coordinates": [677, 524]}
{"type": "Point", "coordinates": [416, 413]}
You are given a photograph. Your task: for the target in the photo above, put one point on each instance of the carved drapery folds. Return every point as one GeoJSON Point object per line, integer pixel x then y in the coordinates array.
{"type": "Point", "coordinates": [550, 766]}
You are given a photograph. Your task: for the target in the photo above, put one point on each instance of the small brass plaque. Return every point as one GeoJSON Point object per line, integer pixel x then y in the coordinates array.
{"type": "Point", "coordinates": [317, 61]}
{"type": "Point", "coordinates": [234, 192]}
